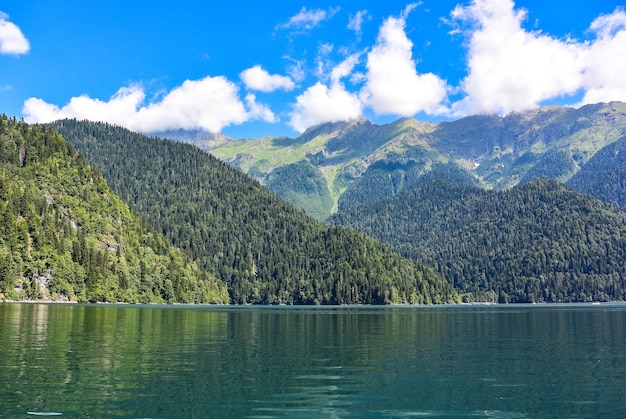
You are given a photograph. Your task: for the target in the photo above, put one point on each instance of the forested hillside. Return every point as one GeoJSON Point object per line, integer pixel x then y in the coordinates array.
{"type": "Point", "coordinates": [311, 192]}
{"type": "Point", "coordinates": [65, 236]}
{"type": "Point", "coordinates": [604, 175]}
{"type": "Point", "coordinates": [386, 179]}
{"type": "Point", "coordinates": [538, 242]}
{"type": "Point", "coordinates": [265, 250]}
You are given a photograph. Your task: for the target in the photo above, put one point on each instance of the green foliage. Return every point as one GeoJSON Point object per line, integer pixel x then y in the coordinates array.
{"type": "Point", "coordinates": [537, 242]}
{"type": "Point", "coordinates": [303, 185]}
{"type": "Point", "coordinates": [264, 249]}
{"type": "Point", "coordinates": [65, 235]}
{"type": "Point", "coordinates": [558, 165]}
{"type": "Point", "coordinates": [604, 175]}
{"type": "Point", "coordinates": [385, 179]}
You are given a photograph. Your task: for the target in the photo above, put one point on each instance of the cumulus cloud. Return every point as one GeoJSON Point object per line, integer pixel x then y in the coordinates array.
{"type": "Point", "coordinates": [116, 110]}
{"type": "Point", "coordinates": [12, 40]}
{"type": "Point", "coordinates": [393, 84]}
{"type": "Point", "coordinates": [256, 78]}
{"type": "Point", "coordinates": [320, 103]}
{"type": "Point", "coordinates": [306, 20]}
{"type": "Point", "coordinates": [511, 69]}
{"type": "Point", "coordinates": [605, 60]}
{"type": "Point", "coordinates": [259, 110]}
{"type": "Point", "coordinates": [210, 104]}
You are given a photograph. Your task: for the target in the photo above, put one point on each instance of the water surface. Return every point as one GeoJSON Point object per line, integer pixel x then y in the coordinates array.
{"type": "Point", "coordinates": [182, 361]}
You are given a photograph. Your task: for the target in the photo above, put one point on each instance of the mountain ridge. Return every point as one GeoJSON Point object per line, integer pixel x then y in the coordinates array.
{"type": "Point", "coordinates": [499, 151]}
{"type": "Point", "coordinates": [263, 249]}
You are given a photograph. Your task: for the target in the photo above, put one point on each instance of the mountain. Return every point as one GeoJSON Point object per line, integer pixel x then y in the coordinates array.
{"type": "Point", "coordinates": [65, 236]}
{"type": "Point", "coordinates": [604, 175]}
{"type": "Point", "coordinates": [338, 165]}
{"type": "Point", "coordinates": [199, 138]}
{"type": "Point", "coordinates": [537, 242]}
{"type": "Point", "coordinates": [265, 250]}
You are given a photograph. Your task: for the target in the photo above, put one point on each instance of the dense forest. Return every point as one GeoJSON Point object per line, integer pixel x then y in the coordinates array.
{"type": "Point", "coordinates": [65, 236]}
{"type": "Point", "coordinates": [604, 175]}
{"type": "Point", "coordinates": [387, 178]}
{"type": "Point", "coordinates": [311, 192]}
{"type": "Point", "coordinates": [265, 250]}
{"type": "Point", "coordinates": [538, 242]}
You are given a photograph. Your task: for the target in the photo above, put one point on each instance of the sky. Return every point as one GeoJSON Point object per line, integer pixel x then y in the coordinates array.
{"type": "Point", "coordinates": [248, 70]}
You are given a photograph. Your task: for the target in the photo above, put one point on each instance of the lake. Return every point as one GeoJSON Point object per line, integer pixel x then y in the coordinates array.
{"type": "Point", "coordinates": [262, 362]}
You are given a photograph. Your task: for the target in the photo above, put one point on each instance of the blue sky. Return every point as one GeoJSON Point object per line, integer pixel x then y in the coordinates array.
{"type": "Point", "coordinates": [249, 70]}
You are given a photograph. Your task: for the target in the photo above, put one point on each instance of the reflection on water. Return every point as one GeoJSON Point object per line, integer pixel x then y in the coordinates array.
{"type": "Point", "coordinates": [153, 361]}
{"type": "Point", "coordinates": [332, 391]}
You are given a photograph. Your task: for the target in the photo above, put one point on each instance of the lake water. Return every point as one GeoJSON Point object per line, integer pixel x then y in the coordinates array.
{"type": "Point", "coordinates": [260, 362]}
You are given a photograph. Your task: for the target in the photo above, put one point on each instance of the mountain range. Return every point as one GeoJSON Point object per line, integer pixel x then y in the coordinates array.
{"type": "Point", "coordinates": [335, 166]}
{"type": "Point", "coordinates": [263, 249]}
{"type": "Point", "coordinates": [506, 209]}
{"type": "Point", "coordinates": [523, 208]}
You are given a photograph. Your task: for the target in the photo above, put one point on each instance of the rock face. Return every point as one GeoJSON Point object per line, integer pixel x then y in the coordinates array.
{"type": "Point", "coordinates": [41, 283]}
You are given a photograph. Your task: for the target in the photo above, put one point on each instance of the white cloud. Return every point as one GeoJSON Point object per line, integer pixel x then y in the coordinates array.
{"type": "Point", "coordinates": [259, 110]}
{"type": "Point", "coordinates": [608, 26]}
{"type": "Point", "coordinates": [605, 60]}
{"type": "Point", "coordinates": [356, 22]}
{"type": "Point", "coordinates": [256, 78]}
{"type": "Point", "coordinates": [344, 69]}
{"type": "Point", "coordinates": [12, 40]}
{"type": "Point", "coordinates": [120, 107]}
{"type": "Point", "coordinates": [511, 69]}
{"type": "Point", "coordinates": [322, 61]}
{"type": "Point", "coordinates": [296, 69]}
{"type": "Point", "coordinates": [393, 84]}
{"type": "Point", "coordinates": [210, 104]}
{"type": "Point", "coordinates": [320, 104]}
{"type": "Point", "coordinates": [306, 20]}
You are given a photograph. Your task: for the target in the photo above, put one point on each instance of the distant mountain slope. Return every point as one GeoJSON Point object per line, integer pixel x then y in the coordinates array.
{"type": "Point", "coordinates": [65, 236]}
{"type": "Point", "coordinates": [533, 243]}
{"type": "Point", "coordinates": [498, 152]}
{"type": "Point", "coordinates": [310, 193]}
{"type": "Point", "coordinates": [265, 250]}
{"type": "Point", "coordinates": [385, 179]}
{"type": "Point", "coordinates": [604, 175]}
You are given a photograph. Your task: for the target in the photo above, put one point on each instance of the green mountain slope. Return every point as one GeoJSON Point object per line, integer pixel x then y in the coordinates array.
{"type": "Point", "coordinates": [310, 193]}
{"type": "Point", "coordinates": [365, 162]}
{"type": "Point", "coordinates": [533, 243]}
{"type": "Point", "coordinates": [65, 236]}
{"type": "Point", "coordinates": [265, 250]}
{"type": "Point", "coordinates": [386, 179]}
{"type": "Point", "coordinates": [604, 175]}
